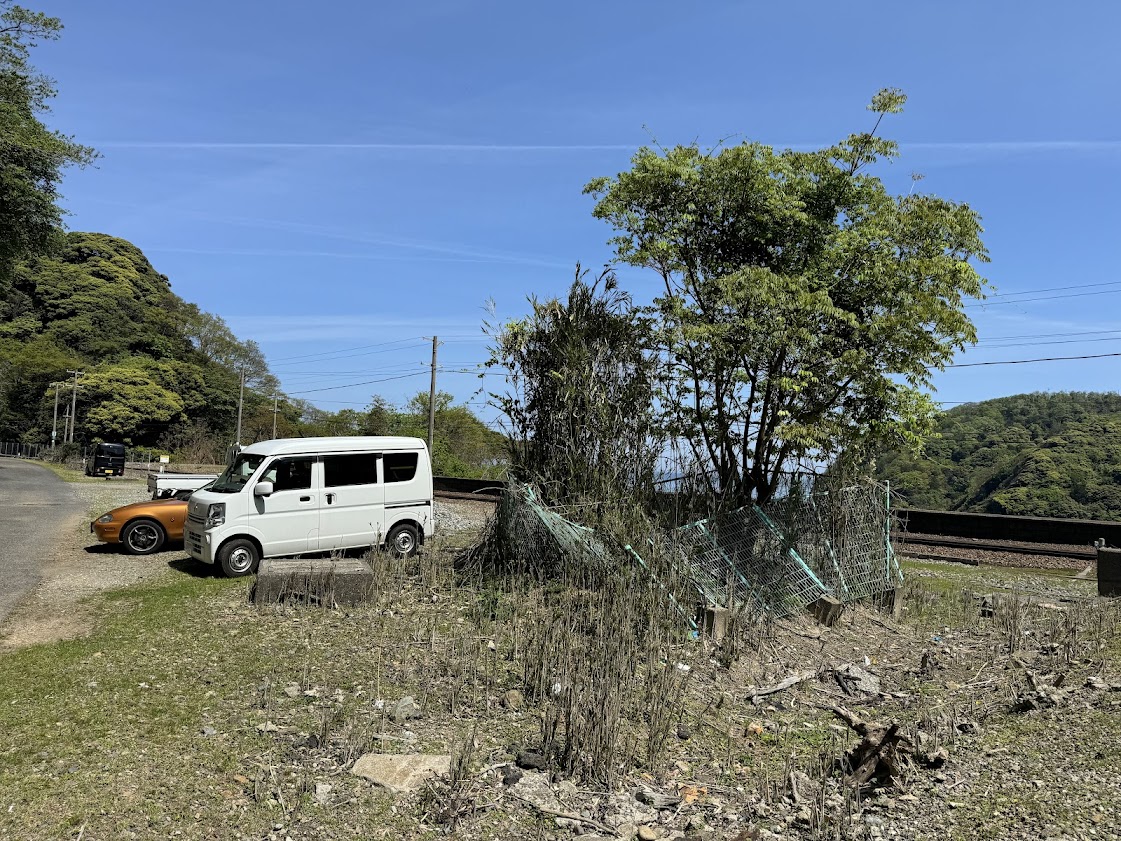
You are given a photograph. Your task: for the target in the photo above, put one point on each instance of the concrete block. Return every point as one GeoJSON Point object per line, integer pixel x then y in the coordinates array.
{"type": "Point", "coordinates": [714, 621]}
{"type": "Point", "coordinates": [1109, 572]}
{"type": "Point", "coordinates": [401, 773]}
{"type": "Point", "coordinates": [326, 582]}
{"type": "Point", "coordinates": [827, 610]}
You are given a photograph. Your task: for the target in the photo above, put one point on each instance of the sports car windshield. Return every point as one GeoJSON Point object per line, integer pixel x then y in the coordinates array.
{"type": "Point", "coordinates": [237, 474]}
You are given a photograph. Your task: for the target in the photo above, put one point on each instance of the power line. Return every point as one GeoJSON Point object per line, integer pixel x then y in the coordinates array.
{"type": "Point", "coordinates": [354, 385]}
{"type": "Point", "coordinates": [1028, 361]}
{"type": "Point", "coordinates": [349, 349]}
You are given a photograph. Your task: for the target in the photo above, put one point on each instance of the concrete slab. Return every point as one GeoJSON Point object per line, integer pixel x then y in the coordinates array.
{"type": "Point", "coordinates": [326, 582]}
{"type": "Point", "coordinates": [401, 773]}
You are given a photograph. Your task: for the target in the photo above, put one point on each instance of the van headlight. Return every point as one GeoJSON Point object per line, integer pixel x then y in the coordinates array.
{"type": "Point", "coordinates": [215, 514]}
{"type": "Point", "coordinates": [105, 518]}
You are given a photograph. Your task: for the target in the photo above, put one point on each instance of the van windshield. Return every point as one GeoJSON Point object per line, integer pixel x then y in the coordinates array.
{"type": "Point", "coordinates": [237, 474]}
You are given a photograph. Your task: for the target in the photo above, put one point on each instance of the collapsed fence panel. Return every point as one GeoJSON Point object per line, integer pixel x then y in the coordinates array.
{"type": "Point", "coordinates": [826, 541]}
{"type": "Point", "coordinates": [774, 560]}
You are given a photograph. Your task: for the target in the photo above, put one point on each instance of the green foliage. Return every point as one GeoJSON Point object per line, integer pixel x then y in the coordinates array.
{"type": "Point", "coordinates": [1046, 455]}
{"type": "Point", "coordinates": [803, 307]}
{"type": "Point", "coordinates": [96, 304]}
{"type": "Point", "coordinates": [32, 156]}
{"type": "Point", "coordinates": [463, 446]}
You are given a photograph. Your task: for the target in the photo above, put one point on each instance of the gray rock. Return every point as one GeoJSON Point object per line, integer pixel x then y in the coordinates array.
{"type": "Point", "coordinates": [657, 799]}
{"type": "Point", "coordinates": [401, 772]}
{"type": "Point", "coordinates": [534, 787]}
{"type": "Point", "coordinates": [323, 793]}
{"type": "Point", "coordinates": [513, 700]}
{"type": "Point", "coordinates": [531, 760]}
{"type": "Point", "coordinates": [209, 731]}
{"type": "Point", "coordinates": [405, 710]}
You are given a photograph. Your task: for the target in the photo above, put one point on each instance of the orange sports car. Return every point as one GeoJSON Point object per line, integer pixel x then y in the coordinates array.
{"type": "Point", "coordinates": [144, 527]}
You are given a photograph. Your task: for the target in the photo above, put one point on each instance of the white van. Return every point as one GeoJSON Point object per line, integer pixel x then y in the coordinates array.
{"type": "Point", "coordinates": [296, 495]}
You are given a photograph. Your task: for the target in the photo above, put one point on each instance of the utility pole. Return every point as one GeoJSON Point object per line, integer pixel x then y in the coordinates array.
{"type": "Point", "coordinates": [240, 403]}
{"type": "Point", "coordinates": [54, 426]}
{"type": "Point", "coordinates": [275, 402]}
{"type": "Point", "coordinates": [74, 401]}
{"type": "Point", "coordinates": [432, 399]}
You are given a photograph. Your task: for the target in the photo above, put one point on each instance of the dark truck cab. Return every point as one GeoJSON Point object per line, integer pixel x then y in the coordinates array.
{"type": "Point", "coordinates": [106, 460]}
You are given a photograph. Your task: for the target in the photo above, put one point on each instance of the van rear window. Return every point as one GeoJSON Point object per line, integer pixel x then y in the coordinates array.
{"type": "Point", "coordinates": [352, 469]}
{"type": "Point", "coordinates": [400, 467]}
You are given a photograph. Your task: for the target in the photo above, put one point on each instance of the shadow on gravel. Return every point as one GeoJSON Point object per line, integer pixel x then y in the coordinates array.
{"type": "Point", "coordinates": [190, 566]}
{"type": "Point", "coordinates": [102, 549]}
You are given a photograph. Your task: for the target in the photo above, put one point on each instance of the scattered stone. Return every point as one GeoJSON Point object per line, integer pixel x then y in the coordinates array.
{"type": "Point", "coordinates": [405, 710]}
{"type": "Point", "coordinates": [531, 760]}
{"type": "Point", "coordinates": [400, 773]}
{"type": "Point", "coordinates": [511, 775]}
{"type": "Point", "coordinates": [267, 727]}
{"type": "Point", "coordinates": [683, 732]}
{"type": "Point", "coordinates": [292, 690]}
{"type": "Point", "coordinates": [627, 831]}
{"type": "Point", "coordinates": [657, 799]}
{"type": "Point", "coordinates": [647, 833]}
{"type": "Point", "coordinates": [534, 787]}
{"type": "Point", "coordinates": [209, 731]}
{"type": "Point", "coordinates": [513, 700]}
{"type": "Point", "coordinates": [323, 793]}
{"type": "Point", "coordinates": [855, 679]}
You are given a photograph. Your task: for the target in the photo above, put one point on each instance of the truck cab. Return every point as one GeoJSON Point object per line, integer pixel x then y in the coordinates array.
{"type": "Point", "coordinates": [106, 460]}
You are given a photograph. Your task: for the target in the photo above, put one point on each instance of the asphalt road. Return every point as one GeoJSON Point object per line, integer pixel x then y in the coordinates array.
{"type": "Point", "coordinates": [35, 507]}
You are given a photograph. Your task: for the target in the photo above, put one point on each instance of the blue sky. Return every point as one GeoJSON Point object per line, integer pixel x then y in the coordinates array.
{"type": "Point", "coordinates": [331, 178]}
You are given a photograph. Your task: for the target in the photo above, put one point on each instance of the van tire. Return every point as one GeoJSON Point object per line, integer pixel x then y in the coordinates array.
{"type": "Point", "coordinates": [239, 557]}
{"type": "Point", "coordinates": [402, 540]}
{"type": "Point", "coordinates": [143, 537]}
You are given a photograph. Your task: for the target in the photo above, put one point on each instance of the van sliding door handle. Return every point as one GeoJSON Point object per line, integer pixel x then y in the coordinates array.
{"type": "Point", "coordinates": [330, 498]}
{"type": "Point", "coordinates": [305, 499]}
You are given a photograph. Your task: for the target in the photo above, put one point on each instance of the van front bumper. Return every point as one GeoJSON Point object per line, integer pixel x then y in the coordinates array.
{"type": "Point", "coordinates": [197, 544]}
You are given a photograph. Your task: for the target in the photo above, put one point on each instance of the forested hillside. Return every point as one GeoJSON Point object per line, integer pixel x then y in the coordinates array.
{"type": "Point", "coordinates": [1048, 455]}
{"type": "Point", "coordinates": [150, 360]}
{"type": "Point", "coordinates": [157, 371]}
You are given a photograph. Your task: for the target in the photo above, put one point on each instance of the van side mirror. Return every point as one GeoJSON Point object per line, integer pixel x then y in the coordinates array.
{"type": "Point", "coordinates": [262, 489]}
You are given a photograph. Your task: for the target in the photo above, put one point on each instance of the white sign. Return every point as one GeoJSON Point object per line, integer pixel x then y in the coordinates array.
{"type": "Point", "coordinates": [165, 459]}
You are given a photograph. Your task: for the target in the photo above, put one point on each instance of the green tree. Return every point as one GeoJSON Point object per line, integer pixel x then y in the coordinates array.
{"type": "Point", "coordinates": [802, 306]}
{"type": "Point", "coordinates": [125, 402]}
{"type": "Point", "coordinates": [32, 157]}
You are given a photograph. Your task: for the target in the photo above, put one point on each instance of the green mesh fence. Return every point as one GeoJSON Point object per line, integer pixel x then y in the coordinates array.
{"type": "Point", "coordinates": [780, 558]}
{"type": "Point", "coordinates": [773, 560]}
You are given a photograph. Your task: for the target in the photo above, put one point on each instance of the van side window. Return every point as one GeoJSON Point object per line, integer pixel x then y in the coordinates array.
{"type": "Point", "coordinates": [400, 467]}
{"type": "Point", "coordinates": [354, 469]}
{"type": "Point", "coordinates": [290, 474]}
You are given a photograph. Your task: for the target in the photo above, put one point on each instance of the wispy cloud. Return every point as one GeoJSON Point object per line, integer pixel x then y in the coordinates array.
{"type": "Point", "coordinates": [375, 147]}
{"type": "Point", "coordinates": [972, 146]}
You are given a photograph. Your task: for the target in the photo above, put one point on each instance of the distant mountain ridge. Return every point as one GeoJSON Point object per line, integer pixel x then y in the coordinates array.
{"type": "Point", "coordinates": [1042, 454]}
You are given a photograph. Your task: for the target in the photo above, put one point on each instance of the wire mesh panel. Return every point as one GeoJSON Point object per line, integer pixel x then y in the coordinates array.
{"type": "Point", "coordinates": [780, 558]}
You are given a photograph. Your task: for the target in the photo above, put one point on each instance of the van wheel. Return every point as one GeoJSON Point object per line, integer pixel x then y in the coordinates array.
{"type": "Point", "coordinates": [239, 557]}
{"type": "Point", "coordinates": [402, 540]}
{"type": "Point", "coordinates": [143, 537]}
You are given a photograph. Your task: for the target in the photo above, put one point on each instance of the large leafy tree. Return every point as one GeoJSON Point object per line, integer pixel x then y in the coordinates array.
{"type": "Point", "coordinates": [802, 306]}
{"type": "Point", "coordinates": [32, 156]}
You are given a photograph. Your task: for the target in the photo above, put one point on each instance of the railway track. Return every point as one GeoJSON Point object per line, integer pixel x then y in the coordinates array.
{"type": "Point", "coordinates": [1082, 553]}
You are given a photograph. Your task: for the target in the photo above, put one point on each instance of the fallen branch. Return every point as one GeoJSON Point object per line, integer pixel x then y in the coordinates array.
{"type": "Point", "coordinates": [545, 810]}
{"type": "Point", "coordinates": [785, 683]}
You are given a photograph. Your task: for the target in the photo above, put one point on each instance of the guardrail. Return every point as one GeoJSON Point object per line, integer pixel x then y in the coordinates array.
{"type": "Point", "coordinates": [477, 487]}
{"type": "Point", "coordinates": [1009, 527]}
